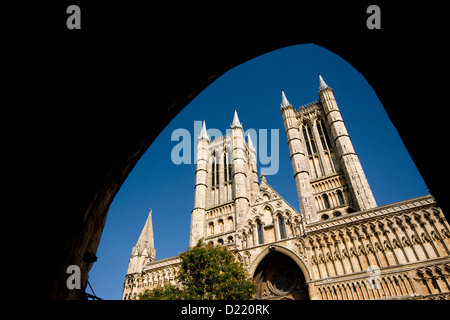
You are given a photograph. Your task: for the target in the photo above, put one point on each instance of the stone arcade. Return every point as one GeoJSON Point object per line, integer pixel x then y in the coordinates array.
{"type": "Point", "coordinates": [340, 246]}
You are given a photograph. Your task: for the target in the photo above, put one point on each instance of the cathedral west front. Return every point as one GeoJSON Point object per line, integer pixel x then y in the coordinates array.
{"type": "Point", "coordinates": [340, 246]}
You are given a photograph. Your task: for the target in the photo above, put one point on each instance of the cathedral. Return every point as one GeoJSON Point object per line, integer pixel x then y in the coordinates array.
{"type": "Point", "coordinates": [340, 246]}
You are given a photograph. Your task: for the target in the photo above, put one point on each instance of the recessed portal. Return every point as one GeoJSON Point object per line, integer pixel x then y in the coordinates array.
{"type": "Point", "coordinates": [279, 278]}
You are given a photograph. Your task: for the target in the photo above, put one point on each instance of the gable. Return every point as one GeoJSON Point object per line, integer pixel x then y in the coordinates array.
{"type": "Point", "coordinates": [267, 205]}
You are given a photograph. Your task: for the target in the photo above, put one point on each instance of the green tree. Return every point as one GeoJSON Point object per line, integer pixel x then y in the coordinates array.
{"type": "Point", "coordinates": [207, 272]}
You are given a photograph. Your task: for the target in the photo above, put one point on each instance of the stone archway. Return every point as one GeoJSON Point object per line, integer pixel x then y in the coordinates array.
{"type": "Point", "coordinates": [123, 108]}
{"type": "Point", "coordinates": [278, 277]}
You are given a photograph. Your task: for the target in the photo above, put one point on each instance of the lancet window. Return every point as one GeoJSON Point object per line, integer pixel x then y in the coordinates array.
{"type": "Point", "coordinates": [309, 139]}
{"type": "Point", "coordinates": [281, 227]}
{"type": "Point", "coordinates": [213, 171]}
{"type": "Point", "coordinates": [323, 134]}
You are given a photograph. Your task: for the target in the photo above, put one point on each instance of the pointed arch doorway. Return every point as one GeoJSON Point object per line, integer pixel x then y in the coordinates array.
{"type": "Point", "coordinates": [278, 277]}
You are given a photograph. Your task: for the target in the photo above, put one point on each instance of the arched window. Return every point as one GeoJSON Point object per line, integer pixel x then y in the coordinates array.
{"type": "Point", "coordinates": [217, 172]}
{"type": "Point", "coordinates": [433, 280]}
{"type": "Point", "coordinates": [213, 172]}
{"type": "Point", "coordinates": [211, 228]}
{"type": "Point", "coordinates": [325, 201]}
{"type": "Point", "coordinates": [324, 217]}
{"type": "Point", "coordinates": [324, 146]}
{"type": "Point", "coordinates": [225, 167]}
{"type": "Point", "coordinates": [320, 131]}
{"type": "Point", "coordinates": [340, 197]}
{"type": "Point", "coordinates": [281, 227]}
{"type": "Point", "coordinates": [259, 231]}
{"type": "Point", "coordinates": [220, 225]}
{"type": "Point", "coordinates": [323, 133]}
{"type": "Point", "coordinates": [229, 166]}
{"type": "Point", "coordinates": [230, 223]}
{"type": "Point", "coordinates": [308, 147]}
{"type": "Point", "coordinates": [337, 214]}
{"type": "Point", "coordinates": [309, 139]}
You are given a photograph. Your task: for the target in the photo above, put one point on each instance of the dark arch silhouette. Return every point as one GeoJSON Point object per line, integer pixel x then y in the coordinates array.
{"type": "Point", "coordinates": [92, 102]}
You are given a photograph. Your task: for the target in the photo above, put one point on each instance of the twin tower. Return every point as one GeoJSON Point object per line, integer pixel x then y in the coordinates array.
{"type": "Point", "coordinates": [329, 178]}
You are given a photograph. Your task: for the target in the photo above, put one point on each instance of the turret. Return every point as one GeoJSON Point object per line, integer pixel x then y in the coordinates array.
{"type": "Point", "coordinates": [254, 188]}
{"type": "Point", "coordinates": [198, 213]}
{"type": "Point", "coordinates": [240, 187]}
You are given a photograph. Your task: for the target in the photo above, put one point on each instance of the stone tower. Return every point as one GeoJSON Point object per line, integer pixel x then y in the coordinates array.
{"type": "Point", "coordinates": [329, 177]}
{"type": "Point", "coordinates": [226, 181]}
{"type": "Point", "coordinates": [144, 251]}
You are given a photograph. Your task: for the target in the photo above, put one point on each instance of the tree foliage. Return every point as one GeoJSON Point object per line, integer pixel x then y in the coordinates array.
{"type": "Point", "coordinates": [207, 272]}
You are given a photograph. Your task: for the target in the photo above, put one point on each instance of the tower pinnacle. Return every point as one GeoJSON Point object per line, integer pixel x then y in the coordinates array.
{"type": "Point", "coordinates": [236, 123]}
{"type": "Point", "coordinates": [322, 84]}
{"type": "Point", "coordinates": [284, 101]}
{"type": "Point", "coordinates": [203, 134]}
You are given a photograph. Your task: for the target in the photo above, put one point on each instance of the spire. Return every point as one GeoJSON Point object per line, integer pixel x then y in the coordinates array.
{"type": "Point", "coordinates": [322, 84]}
{"type": "Point", "coordinates": [145, 242]}
{"type": "Point", "coordinates": [284, 101]}
{"type": "Point", "coordinates": [203, 134]}
{"type": "Point", "coordinates": [236, 123]}
{"type": "Point", "coordinates": [250, 143]}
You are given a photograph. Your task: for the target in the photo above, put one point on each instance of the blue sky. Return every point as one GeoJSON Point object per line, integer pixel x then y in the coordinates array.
{"type": "Point", "coordinates": [254, 89]}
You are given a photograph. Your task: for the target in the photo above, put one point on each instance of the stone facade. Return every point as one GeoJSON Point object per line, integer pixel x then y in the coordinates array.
{"type": "Point", "coordinates": [340, 246]}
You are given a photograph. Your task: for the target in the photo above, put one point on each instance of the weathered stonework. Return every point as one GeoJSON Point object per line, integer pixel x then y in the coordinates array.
{"type": "Point", "coordinates": [341, 246]}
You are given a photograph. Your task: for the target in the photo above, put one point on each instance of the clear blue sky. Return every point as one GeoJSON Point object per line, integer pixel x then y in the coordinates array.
{"type": "Point", "coordinates": [254, 89]}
